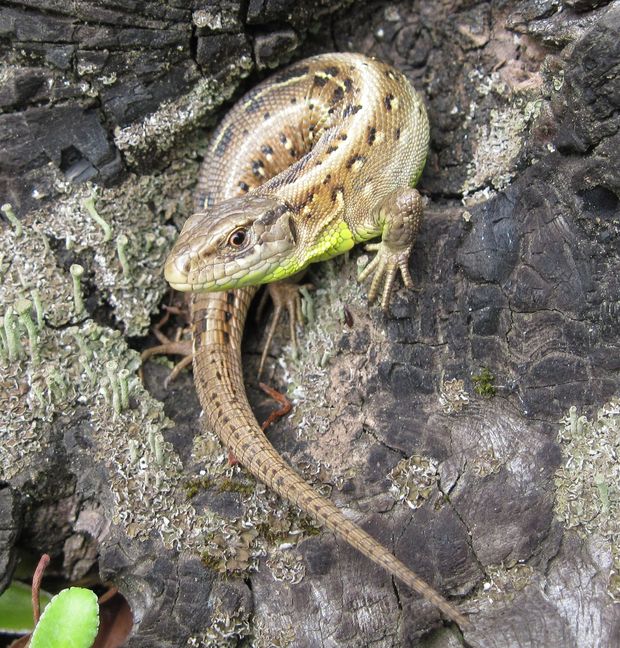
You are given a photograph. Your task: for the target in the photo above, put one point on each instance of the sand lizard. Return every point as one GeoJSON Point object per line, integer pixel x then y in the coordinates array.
{"type": "Point", "coordinates": [318, 157]}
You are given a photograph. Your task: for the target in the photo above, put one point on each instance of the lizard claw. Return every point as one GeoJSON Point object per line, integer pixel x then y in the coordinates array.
{"type": "Point", "coordinates": [383, 269]}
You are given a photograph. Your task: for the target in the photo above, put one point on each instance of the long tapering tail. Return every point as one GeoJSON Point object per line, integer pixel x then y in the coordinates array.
{"type": "Point", "coordinates": [261, 459]}
{"type": "Point", "coordinates": [218, 320]}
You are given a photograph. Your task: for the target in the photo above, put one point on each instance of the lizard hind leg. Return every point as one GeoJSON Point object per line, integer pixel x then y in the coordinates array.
{"type": "Point", "coordinates": [398, 217]}
{"type": "Point", "coordinates": [284, 295]}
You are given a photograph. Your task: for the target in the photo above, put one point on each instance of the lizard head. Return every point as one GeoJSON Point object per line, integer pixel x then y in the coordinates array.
{"type": "Point", "coordinates": [242, 241]}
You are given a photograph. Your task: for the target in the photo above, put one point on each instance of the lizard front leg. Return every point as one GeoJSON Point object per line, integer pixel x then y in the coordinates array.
{"type": "Point", "coordinates": [397, 219]}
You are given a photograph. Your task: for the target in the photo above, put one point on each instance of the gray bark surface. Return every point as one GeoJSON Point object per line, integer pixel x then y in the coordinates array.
{"type": "Point", "coordinates": [445, 429]}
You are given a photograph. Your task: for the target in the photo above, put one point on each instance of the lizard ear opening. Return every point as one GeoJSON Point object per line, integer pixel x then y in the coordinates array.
{"type": "Point", "coordinates": [293, 228]}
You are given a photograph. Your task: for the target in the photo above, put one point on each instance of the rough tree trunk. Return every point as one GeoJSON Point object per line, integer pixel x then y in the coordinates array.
{"type": "Point", "coordinates": [474, 430]}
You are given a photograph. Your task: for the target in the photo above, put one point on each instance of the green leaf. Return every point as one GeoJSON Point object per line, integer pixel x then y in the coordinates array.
{"type": "Point", "coordinates": [71, 620]}
{"type": "Point", "coordinates": [16, 608]}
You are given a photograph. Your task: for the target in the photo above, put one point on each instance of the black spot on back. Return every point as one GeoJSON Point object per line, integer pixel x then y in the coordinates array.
{"type": "Point", "coordinates": [230, 297]}
{"type": "Point", "coordinates": [243, 186]}
{"type": "Point", "coordinates": [348, 84]}
{"type": "Point", "coordinates": [350, 109]}
{"type": "Point", "coordinates": [266, 149]}
{"type": "Point", "coordinates": [343, 136]}
{"type": "Point", "coordinates": [266, 116]}
{"type": "Point", "coordinates": [388, 101]}
{"type": "Point", "coordinates": [337, 95]}
{"type": "Point", "coordinates": [372, 133]}
{"type": "Point", "coordinates": [331, 149]}
{"type": "Point", "coordinates": [200, 326]}
{"type": "Point", "coordinates": [257, 165]}
{"type": "Point", "coordinates": [397, 134]}
{"type": "Point", "coordinates": [331, 70]}
{"type": "Point", "coordinates": [336, 190]}
{"type": "Point", "coordinates": [283, 138]}
{"type": "Point", "coordinates": [319, 81]}
{"type": "Point", "coordinates": [307, 200]}
{"type": "Point", "coordinates": [327, 178]}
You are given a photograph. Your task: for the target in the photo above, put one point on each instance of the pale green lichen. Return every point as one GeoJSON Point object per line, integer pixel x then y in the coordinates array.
{"type": "Point", "coordinates": [286, 565]}
{"type": "Point", "coordinates": [588, 483]}
{"type": "Point", "coordinates": [307, 375]}
{"type": "Point", "coordinates": [413, 480]}
{"type": "Point", "coordinates": [486, 463]}
{"type": "Point", "coordinates": [77, 272]}
{"type": "Point", "coordinates": [164, 128]}
{"type": "Point", "coordinates": [234, 545]}
{"type": "Point", "coordinates": [69, 362]}
{"type": "Point", "coordinates": [7, 210]}
{"type": "Point", "coordinates": [503, 583]}
{"type": "Point", "coordinates": [225, 629]}
{"type": "Point", "coordinates": [140, 210]}
{"type": "Point", "coordinates": [265, 636]}
{"type": "Point", "coordinates": [89, 205]}
{"type": "Point", "coordinates": [500, 141]}
{"type": "Point", "coordinates": [453, 396]}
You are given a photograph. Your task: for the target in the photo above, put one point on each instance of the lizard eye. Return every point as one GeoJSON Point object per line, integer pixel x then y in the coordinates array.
{"type": "Point", "coordinates": [238, 237]}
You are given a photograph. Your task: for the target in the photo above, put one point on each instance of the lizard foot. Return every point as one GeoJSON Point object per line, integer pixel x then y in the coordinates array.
{"type": "Point", "coordinates": [383, 269]}
{"type": "Point", "coordinates": [181, 347]}
{"type": "Point", "coordinates": [232, 460]}
{"type": "Point", "coordinates": [285, 405]}
{"type": "Point", "coordinates": [284, 294]}
{"type": "Point", "coordinates": [169, 347]}
{"type": "Point", "coordinates": [398, 217]}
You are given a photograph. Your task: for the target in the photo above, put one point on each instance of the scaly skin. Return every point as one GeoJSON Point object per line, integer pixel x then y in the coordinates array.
{"type": "Point", "coordinates": [313, 160]}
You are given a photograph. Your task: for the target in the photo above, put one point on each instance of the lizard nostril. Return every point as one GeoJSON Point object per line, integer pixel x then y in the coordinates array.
{"type": "Point", "coordinates": [177, 268]}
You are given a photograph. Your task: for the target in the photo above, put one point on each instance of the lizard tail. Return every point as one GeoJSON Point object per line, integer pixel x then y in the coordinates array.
{"type": "Point", "coordinates": [218, 327]}
{"type": "Point", "coordinates": [255, 452]}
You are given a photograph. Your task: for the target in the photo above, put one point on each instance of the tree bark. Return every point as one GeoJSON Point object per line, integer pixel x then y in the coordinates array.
{"type": "Point", "coordinates": [472, 430]}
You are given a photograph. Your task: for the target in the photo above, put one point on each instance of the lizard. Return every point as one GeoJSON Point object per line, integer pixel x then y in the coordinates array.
{"type": "Point", "coordinates": [320, 156]}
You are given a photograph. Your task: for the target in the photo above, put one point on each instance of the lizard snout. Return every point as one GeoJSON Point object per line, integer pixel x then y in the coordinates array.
{"type": "Point", "coordinates": [177, 268]}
